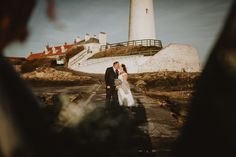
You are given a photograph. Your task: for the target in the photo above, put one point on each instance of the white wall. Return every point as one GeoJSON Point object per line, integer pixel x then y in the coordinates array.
{"type": "Point", "coordinates": [94, 47]}
{"type": "Point", "coordinates": [141, 23]}
{"type": "Point", "coordinates": [174, 57]}
{"type": "Point", "coordinates": [100, 65]}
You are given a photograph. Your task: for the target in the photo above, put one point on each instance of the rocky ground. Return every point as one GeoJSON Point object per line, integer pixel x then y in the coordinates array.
{"type": "Point", "coordinates": [148, 129]}
{"type": "Point", "coordinates": [73, 103]}
{"type": "Point", "coordinates": [173, 90]}
{"type": "Point", "coordinates": [47, 76]}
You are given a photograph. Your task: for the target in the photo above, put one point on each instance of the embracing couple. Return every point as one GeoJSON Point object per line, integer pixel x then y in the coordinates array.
{"type": "Point", "coordinates": [117, 87]}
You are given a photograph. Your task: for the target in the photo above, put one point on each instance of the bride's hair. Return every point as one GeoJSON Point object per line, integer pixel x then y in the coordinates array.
{"type": "Point", "coordinates": [124, 67]}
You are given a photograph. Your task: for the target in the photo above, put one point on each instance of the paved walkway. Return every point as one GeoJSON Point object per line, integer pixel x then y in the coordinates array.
{"type": "Point", "coordinates": [155, 122]}
{"type": "Point", "coordinates": [145, 130]}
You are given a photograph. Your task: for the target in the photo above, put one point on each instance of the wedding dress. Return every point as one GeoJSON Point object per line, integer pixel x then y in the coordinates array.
{"type": "Point", "coordinates": [125, 96]}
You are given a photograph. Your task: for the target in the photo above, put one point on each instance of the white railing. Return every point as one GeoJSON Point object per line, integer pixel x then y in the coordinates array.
{"type": "Point", "coordinates": [77, 58]}
{"type": "Point", "coordinates": [144, 42]}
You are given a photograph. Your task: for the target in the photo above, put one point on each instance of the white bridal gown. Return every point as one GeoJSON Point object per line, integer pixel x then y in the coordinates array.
{"type": "Point", "coordinates": [125, 96]}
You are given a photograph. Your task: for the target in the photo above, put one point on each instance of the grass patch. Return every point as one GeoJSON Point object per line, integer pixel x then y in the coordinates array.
{"type": "Point", "coordinates": [73, 51]}
{"type": "Point", "coordinates": [124, 51]}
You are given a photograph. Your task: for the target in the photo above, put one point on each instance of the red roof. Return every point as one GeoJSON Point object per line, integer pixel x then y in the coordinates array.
{"type": "Point", "coordinates": [50, 52]}
{"type": "Point", "coordinates": [35, 56]}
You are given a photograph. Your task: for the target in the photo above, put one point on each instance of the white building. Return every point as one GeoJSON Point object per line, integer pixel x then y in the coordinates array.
{"type": "Point", "coordinates": [102, 38]}
{"type": "Point", "coordinates": [174, 57]}
{"type": "Point", "coordinates": [141, 20]}
{"type": "Point", "coordinates": [91, 44]}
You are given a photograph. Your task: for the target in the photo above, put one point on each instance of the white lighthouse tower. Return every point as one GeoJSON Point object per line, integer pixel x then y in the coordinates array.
{"type": "Point", "coordinates": [141, 20]}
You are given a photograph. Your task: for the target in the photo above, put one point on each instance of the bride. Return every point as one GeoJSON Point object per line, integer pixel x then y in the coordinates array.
{"type": "Point", "coordinates": [125, 96]}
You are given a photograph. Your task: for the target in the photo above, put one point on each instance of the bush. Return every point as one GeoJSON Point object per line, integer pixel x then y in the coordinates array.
{"type": "Point", "coordinates": [17, 61]}
{"type": "Point", "coordinates": [168, 81]}
{"type": "Point", "coordinates": [31, 65]}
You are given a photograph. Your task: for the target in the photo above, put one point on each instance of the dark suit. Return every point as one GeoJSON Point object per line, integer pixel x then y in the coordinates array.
{"type": "Point", "coordinates": [111, 93]}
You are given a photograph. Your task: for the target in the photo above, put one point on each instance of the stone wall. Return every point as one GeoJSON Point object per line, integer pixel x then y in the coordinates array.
{"type": "Point", "coordinates": [174, 57]}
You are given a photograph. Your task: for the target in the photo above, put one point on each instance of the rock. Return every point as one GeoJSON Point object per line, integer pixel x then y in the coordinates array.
{"type": "Point", "coordinates": [147, 77]}
{"type": "Point", "coordinates": [140, 83]}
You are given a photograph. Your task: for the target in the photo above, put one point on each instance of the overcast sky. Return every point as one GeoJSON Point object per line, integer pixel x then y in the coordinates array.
{"type": "Point", "coordinates": [195, 22]}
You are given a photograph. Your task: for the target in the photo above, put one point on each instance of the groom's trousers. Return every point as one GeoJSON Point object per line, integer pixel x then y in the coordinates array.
{"type": "Point", "coordinates": [111, 96]}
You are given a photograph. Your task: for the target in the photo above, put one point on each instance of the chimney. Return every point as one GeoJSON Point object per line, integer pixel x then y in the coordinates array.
{"type": "Point", "coordinates": [47, 46]}
{"type": "Point", "coordinates": [77, 39]}
{"type": "Point", "coordinates": [46, 49]}
{"type": "Point", "coordinates": [87, 37]}
{"type": "Point", "coordinates": [102, 38]}
{"type": "Point", "coordinates": [63, 49]}
{"type": "Point", "coordinates": [53, 50]}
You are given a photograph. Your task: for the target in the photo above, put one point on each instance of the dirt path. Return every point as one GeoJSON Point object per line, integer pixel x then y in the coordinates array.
{"type": "Point", "coordinates": [148, 129]}
{"type": "Point", "coordinates": [159, 125]}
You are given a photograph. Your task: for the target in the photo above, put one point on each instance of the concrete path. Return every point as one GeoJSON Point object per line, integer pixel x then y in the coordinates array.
{"type": "Point", "coordinates": [145, 130]}
{"type": "Point", "coordinates": [159, 125]}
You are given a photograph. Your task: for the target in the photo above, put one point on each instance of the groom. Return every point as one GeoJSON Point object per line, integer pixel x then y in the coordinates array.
{"type": "Point", "coordinates": [111, 74]}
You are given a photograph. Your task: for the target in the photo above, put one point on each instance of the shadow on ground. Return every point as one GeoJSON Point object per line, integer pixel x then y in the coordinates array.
{"type": "Point", "coordinates": [112, 131]}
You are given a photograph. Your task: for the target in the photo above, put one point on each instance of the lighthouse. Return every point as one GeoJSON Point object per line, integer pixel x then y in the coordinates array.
{"type": "Point", "coordinates": [141, 20]}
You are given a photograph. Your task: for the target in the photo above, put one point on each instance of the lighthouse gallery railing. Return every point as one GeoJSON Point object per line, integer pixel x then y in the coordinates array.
{"type": "Point", "coordinates": [144, 42]}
